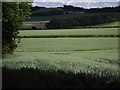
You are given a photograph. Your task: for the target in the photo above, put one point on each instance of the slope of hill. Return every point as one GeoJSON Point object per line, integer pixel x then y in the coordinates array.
{"type": "Point", "coordinates": [106, 25]}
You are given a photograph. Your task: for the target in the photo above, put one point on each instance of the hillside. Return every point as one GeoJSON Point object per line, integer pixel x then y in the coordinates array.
{"type": "Point", "coordinates": [68, 9]}
{"type": "Point", "coordinates": [106, 25]}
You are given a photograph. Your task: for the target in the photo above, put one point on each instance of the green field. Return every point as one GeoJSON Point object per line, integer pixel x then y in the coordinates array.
{"type": "Point", "coordinates": [109, 24]}
{"type": "Point", "coordinates": [112, 24]}
{"type": "Point", "coordinates": [64, 61]}
{"type": "Point", "coordinates": [67, 44]}
{"type": "Point", "coordinates": [70, 32]}
{"type": "Point", "coordinates": [73, 61]}
{"type": "Point", "coordinates": [72, 54]}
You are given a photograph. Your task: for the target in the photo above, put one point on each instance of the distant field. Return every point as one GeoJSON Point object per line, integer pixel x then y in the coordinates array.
{"type": "Point", "coordinates": [69, 32]}
{"type": "Point", "coordinates": [41, 25]}
{"type": "Point", "coordinates": [112, 24]}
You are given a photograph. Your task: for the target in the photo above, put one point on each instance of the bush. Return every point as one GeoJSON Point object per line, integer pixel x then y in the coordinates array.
{"type": "Point", "coordinates": [13, 16]}
{"type": "Point", "coordinates": [34, 28]}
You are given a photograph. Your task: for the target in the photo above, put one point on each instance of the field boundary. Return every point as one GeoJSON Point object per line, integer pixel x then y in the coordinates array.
{"type": "Point", "coordinates": [63, 36]}
{"type": "Point", "coordinates": [94, 49]}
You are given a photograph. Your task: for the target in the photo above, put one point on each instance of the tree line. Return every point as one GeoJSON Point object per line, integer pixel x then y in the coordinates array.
{"type": "Point", "coordinates": [43, 11]}
{"type": "Point", "coordinates": [83, 20]}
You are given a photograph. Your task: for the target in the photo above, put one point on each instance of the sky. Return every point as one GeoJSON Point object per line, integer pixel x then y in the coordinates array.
{"type": "Point", "coordinates": [77, 3]}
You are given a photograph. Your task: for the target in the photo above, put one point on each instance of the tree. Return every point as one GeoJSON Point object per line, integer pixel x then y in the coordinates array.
{"type": "Point", "coordinates": [14, 13]}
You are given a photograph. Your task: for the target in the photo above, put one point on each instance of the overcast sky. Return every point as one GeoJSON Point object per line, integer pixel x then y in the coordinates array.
{"type": "Point", "coordinates": [77, 3]}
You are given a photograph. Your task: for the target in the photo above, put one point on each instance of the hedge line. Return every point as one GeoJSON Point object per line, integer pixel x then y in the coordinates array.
{"type": "Point", "coordinates": [60, 36]}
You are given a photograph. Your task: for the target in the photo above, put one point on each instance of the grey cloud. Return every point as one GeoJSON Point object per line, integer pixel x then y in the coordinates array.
{"type": "Point", "coordinates": [78, 4]}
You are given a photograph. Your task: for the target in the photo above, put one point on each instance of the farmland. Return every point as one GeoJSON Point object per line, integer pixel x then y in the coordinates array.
{"type": "Point", "coordinates": [42, 25]}
{"type": "Point", "coordinates": [62, 52]}
{"type": "Point", "coordinates": [69, 32]}
{"type": "Point", "coordinates": [112, 24]}
{"type": "Point", "coordinates": [67, 44]}
{"type": "Point", "coordinates": [63, 47]}
{"type": "Point", "coordinates": [39, 59]}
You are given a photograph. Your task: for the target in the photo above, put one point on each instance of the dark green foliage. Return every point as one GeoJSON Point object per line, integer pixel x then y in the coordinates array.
{"type": "Point", "coordinates": [13, 15]}
{"type": "Point", "coordinates": [36, 78]}
{"type": "Point", "coordinates": [83, 20]}
{"type": "Point", "coordinates": [34, 28]}
{"type": "Point", "coordinates": [66, 9]}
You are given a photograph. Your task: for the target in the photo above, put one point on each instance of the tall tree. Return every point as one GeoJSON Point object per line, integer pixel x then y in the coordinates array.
{"type": "Point", "coordinates": [14, 13]}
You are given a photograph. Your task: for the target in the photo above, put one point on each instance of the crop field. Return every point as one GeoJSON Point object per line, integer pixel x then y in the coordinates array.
{"type": "Point", "coordinates": [73, 54]}
{"type": "Point", "coordinates": [69, 32]}
{"type": "Point", "coordinates": [67, 61]}
{"type": "Point", "coordinates": [109, 24]}
{"type": "Point", "coordinates": [106, 25]}
{"type": "Point", "coordinates": [67, 44]}
{"type": "Point", "coordinates": [44, 46]}
{"type": "Point", "coordinates": [40, 61]}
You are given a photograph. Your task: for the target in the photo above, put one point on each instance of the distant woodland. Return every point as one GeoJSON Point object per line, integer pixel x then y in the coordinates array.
{"type": "Point", "coordinates": [68, 16]}
{"type": "Point", "coordinates": [67, 9]}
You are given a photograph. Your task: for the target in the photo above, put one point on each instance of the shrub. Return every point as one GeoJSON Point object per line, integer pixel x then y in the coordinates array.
{"type": "Point", "coordinates": [34, 28]}
{"type": "Point", "coordinates": [13, 15]}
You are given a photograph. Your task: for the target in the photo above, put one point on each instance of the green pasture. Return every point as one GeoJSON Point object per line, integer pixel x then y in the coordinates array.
{"type": "Point", "coordinates": [73, 61]}
{"type": "Point", "coordinates": [67, 44]}
{"type": "Point", "coordinates": [109, 24]}
{"type": "Point", "coordinates": [72, 54]}
{"type": "Point", "coordinates": [112, 24]}
{"type": "Point", "coordinates": [70, 32]}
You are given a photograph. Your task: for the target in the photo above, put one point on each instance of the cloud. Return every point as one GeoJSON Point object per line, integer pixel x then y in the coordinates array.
{"type": "Point", "coordinates": [48, 4]}
{"type": "Point", "coordinates": [63, 1]}
{"type": "Point", "coordinates": [75, 3]}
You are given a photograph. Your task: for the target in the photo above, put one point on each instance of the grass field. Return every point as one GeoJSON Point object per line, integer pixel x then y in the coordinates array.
{"type": "Point", "coordinates": [64, 61]}
{"type": "Point", "coordinates": [67, 44]}
{"type": "Point", "coordinates": [67, 61]}
{"type": "Point", "coordinates": [109, 24]}
{"type": "Point", "coordinates": [72, 54]}
{"type": "Point", "coordinates": [69, 32]}
{"type": "Point", "coordinates": [106, 25]}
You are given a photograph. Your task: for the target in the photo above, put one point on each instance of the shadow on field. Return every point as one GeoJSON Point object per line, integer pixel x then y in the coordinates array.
{"type": "Point", "coordinates": [36, 78]}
